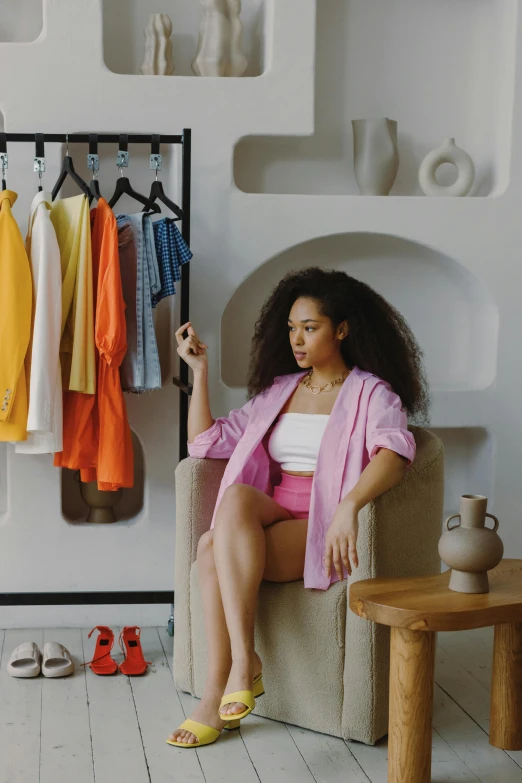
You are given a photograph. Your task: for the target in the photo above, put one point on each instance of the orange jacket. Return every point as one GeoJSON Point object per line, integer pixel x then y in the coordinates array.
{"type": "Point", "coordinates": [97, 436]}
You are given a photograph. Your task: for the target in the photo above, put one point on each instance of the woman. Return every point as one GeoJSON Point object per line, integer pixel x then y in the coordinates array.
{"type": "Point", "coordinates": [332, 364]}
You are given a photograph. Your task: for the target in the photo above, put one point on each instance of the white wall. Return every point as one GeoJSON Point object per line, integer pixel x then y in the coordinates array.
{"type": "Point", "coordinates": [451, 265]}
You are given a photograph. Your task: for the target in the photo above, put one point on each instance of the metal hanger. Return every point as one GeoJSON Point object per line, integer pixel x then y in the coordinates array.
{"type": "Point", "coordinates": [39, 158]}
{"type": "Point", "coordinates": [156, 190]}
{"type": "Point", "coordinates": [93, 165]}
{"type": "Point", "coordinates": [68, 169]}
{"type": "Point", "coordinates": [123, 185]}
{"type": "Point", "coordinates": [3, 158]}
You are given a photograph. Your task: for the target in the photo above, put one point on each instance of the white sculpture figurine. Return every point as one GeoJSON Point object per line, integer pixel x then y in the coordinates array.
{"type": "Point", "coordinates": [238, 61]}
{"type": "Point", "coordinates": [220, 45]}
{"type": "Point", "coordinates": [212, 58]}
{"type": "Point", "coordinates": [158, 46]}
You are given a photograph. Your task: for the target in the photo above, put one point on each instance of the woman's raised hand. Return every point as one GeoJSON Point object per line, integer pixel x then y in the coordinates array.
{"type": "Point", "coordinates": [191, 349]}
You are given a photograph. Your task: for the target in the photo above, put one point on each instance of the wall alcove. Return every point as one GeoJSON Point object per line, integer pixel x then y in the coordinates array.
{"type": "Point", "coordinates": [124, 42]}
{"type": "Point", "coordinates": [468, 463]}
{"type": "Point", "coordinates": [21, 21]}
{"type": "Point", "coordinates": [74, 510]}
{"type": "Point", "coordinates": [449, 310]}
{"type": "Point", "coordinates": [440, 69]}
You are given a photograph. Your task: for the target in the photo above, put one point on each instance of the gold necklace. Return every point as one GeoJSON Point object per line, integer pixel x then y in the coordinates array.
{"type": "Point", "coordinates": [328, 386]}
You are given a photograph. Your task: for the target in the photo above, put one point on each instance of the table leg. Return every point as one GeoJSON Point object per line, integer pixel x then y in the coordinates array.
{"type": "Point", "coordinates": [412, 667]}
{"type": "Point", "coordinates": [505, 728]}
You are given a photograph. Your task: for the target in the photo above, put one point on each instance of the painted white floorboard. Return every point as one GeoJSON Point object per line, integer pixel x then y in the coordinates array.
{"type": "Point", "coordinates": [463, 670]}
{"type": "Point", "coordinates": [116, 739]}
{"type": "Point", "coordinates": [20, 715]}
{"type": "Point", "coordinates": [473, 650]}
{"type": "Point", "coordinates": [159, 711]}
{"type": "Point", "coordinates": [91, 729]}
{"type": "Point", "coordinates": [327, 758]}
{"type": "Point", "coordinates": [66, 750]}
{"type": "Point", "coordinates": [470, 742]}
{"type": "Point", "coordinates": [446, 765]}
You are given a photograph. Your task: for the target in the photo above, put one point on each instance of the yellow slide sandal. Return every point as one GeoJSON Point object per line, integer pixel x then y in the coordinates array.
{"type": "Point", "coordinates": [245, 697]}
{"type": "Point", "coordinates": [206, 735]}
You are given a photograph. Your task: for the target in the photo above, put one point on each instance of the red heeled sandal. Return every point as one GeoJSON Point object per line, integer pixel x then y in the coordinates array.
{"type": "Point", "coordinates": [134, 662]}
{"type": "Point", "coordinates": [102, 660]}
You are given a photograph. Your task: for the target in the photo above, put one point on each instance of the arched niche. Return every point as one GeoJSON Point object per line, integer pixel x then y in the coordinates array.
{"type": "Point", "coordinates": [450, 310]}
{"type": "Point", "coordinates": [74, 510]}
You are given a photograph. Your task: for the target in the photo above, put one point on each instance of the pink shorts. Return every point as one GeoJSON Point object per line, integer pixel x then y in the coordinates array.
{"type": "Point", "coordinates": [293, 493]}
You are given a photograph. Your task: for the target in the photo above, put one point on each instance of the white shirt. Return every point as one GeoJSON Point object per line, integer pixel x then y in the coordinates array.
{"type": "Point", "coordinates": [45, 416]}
{"type": "Point", "coordinates": [295, 440]}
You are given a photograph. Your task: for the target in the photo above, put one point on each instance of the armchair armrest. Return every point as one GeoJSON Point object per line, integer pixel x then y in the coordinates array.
{"type": "Point", "coordinates": [398, 536]}
{"type": "Point", "coordinates": [197, 485]}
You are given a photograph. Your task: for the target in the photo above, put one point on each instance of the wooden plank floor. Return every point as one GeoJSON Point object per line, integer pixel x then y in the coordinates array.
{"type": "Point", "coordinates": [89, 729]}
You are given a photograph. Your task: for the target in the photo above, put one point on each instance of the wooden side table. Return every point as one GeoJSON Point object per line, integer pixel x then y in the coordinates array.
{"type": "Point", "coordinates": [416, 609]}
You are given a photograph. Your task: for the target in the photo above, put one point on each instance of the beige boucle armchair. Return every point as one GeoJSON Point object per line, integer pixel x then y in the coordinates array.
{"type": "Point", "coordinates": [324, 668]}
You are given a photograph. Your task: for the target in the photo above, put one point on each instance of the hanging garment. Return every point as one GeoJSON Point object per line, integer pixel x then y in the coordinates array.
{"type": "Point", "coordinates": [70, 217]}
{"type": "Point", "coordinates": [140, 369]}
{"type": "Point", "coordinates": [15, 323]}
{"type": "Point", "coordinates": [80, 413]}
{"type": "Point", "coordinates": [44, 421]}
{"type": "Point", "coordinates": [172, 251]}
{"type": "Point", "coordinates": [97, 436]}
{"type": "Point", "coordinates": [115, 459]}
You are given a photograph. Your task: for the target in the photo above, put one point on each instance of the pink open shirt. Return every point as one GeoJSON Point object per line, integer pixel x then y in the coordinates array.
{"type": "Point", "coordinates": [366, 416]}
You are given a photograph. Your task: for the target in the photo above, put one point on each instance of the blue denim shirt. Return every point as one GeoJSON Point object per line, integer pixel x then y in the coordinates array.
{"type": "Point", "coordinates": [140, 370]}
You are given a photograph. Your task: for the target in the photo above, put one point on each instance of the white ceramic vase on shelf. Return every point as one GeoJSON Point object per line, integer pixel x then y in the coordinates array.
{"type": "Point", "coordinates": [220, 44]}
{"type": "Point", "coordinates": [447, 153]}
{"type": "Point", "coordinates": [238, 60]}
{"type": "Point", "coordinates": [158, 46]}
{"type": "Point", "coordinates": [213, 55]}
{"type": "Point", "coordinates": [375, 154]}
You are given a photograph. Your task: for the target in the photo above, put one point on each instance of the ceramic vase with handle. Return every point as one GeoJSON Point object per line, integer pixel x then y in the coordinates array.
{"type": "Point", "coordinates": [375, 154]}
{"type": "Point", "coordinates": [470, 548]}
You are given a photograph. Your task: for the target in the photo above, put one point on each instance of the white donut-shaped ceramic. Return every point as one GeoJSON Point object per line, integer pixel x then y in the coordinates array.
{"type": "Point", "coordinates": [447, 153]}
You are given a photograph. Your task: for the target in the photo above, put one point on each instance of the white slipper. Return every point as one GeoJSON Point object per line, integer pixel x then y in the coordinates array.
{"type": "Point", "coordinates": [57, 661]}
{"type": "Point", "coordinates": [25, 660]}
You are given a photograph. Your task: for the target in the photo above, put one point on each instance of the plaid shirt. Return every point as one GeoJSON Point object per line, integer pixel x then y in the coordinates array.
{"type": "Point", "coordinates": [172, 251]}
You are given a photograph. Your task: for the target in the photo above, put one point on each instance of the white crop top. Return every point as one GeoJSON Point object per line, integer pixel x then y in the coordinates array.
{"type": "Point", "coordinates": [295, 440]}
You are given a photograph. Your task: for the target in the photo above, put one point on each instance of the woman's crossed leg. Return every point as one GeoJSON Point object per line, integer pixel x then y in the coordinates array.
{"type": "Point", "coordinates": [253, 538]}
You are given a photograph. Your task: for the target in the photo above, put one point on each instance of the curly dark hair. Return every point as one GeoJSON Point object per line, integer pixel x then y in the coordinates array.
{"type": "Point", "coordinates": [379, 340]}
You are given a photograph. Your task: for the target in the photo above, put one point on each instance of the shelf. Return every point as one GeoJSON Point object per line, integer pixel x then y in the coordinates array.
{"type": "Point", "coordinates": [440, 69]}
{"type": "Point", "coordinates": [22, 22]}
{"type": "Point", "coordinates": [124, 42]}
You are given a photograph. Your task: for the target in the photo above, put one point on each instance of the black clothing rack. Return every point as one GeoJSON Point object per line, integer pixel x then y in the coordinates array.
{"type": "Point", "coordinates": [142, 596]}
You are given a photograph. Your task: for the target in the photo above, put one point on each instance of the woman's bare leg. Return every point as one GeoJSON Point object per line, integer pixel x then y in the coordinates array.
{"type": "Point", "coordinates": [218, 641]}
{"type": "Point", "coordinates": [240, 556]}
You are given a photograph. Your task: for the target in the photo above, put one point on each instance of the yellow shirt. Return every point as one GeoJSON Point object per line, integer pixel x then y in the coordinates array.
{"type": "Point", "coordinates": [15, 323]}
{"type": "Point", "coordinates": [71, 220]}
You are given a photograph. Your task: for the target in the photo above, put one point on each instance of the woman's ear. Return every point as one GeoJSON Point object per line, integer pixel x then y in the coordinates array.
{"type": "Point", "coordinates": [343, 330]}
